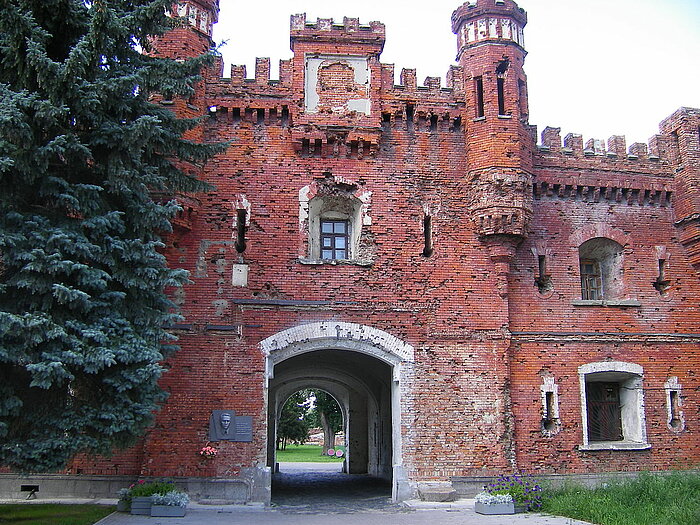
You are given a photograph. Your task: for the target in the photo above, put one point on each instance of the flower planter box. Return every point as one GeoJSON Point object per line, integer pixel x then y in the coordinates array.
{"type": "Point", "coordinates": [141, 505]}
{"type": "Point", "coordinates": [123, 506]}
{"type": "Point", "coordinates": [167, 511]}
{"type": "Point", "coordinates": [494, 508]}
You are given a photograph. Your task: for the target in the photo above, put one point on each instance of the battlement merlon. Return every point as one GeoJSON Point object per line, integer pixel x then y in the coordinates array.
{"type": "Point", "coordinates": [479, 21]}
{"type": "Point", "coordinates": [326, 30]}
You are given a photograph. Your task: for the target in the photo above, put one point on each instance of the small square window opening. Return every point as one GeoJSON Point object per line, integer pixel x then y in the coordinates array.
{"type": "Point", "coordinates": [335, 239]}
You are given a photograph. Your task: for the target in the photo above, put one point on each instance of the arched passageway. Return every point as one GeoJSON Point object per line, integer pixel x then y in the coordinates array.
{"type": "Point", "coordinates": [361, 368]}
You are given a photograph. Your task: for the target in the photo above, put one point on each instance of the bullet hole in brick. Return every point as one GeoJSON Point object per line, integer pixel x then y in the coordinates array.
{"type": "Point", "coordinates": [502, 66]}
{"type": "Point", "coordinates": [240, 244]}
{"type": "Point", "coordinates": [427, 236]}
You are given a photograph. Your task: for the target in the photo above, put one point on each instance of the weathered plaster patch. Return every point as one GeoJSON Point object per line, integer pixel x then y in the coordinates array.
{"type": "Point", "coordinates": [337, 84]}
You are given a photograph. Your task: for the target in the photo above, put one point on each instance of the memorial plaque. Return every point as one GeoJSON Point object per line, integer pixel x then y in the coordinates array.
{"type": "Point", "coordinates": [225, 425]}
{"type": "Point", "coordinates": [244, 428]}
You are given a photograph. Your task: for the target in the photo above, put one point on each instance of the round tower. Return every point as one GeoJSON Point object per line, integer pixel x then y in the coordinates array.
{"type": "Point", "coordinates": [193, 37]}
{"type": "Point", "coordinates": [498, 140]}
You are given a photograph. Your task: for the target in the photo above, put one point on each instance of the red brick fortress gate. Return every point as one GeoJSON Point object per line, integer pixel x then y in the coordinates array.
{"type": "Point", "coordinates": [478, 303]}
{"type": "Point", "coordinates": [365, 369]}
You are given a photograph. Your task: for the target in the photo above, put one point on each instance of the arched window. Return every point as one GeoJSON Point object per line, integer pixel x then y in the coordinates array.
{"type": "Point", "coordinates": [600, 261]}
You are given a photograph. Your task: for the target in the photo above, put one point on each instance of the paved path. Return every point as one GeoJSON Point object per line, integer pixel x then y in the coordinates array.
{"type": "Point", "coordinates": [319, 494]}
{"type": "Point", "coordinates": [231, 515]}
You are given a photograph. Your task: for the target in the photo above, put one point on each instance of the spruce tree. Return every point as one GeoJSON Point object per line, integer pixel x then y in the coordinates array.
{"type": "Point", "coordinates": [84, 157]}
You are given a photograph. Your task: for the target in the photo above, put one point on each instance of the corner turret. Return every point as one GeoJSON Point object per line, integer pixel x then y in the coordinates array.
{"type": "Point", "coordinates": [498, 139]}
{"type": "Point", "coordinates": [194, 36]}
{"type": "Point", "coordinates": [682, 131]}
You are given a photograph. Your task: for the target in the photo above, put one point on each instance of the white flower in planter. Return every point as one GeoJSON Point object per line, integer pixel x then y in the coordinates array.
{"type": "Point", "coordinates": [171, 499]}
{"type": "Point", "coordinates": [493, 499]}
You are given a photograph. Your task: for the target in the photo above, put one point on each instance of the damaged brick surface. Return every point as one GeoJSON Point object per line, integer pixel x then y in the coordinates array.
{"type": "Point", "coordinates": [495, 346]}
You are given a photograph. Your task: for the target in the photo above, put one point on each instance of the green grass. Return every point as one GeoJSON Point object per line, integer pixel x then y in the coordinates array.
{"type": "Point", "coordinates": [305, 454]}
{"type": "Point", "coordinates": [648, 500]}
{"type": "Point", "coordinates": [52, 514]}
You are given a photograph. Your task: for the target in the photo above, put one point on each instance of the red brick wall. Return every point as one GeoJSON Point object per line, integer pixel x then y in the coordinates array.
{"type": "Point", "coordinates": [483, 335]}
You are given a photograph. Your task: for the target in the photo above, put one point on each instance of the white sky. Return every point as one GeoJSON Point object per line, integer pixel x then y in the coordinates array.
{"type": "Point", "coordinates": [595, 67]}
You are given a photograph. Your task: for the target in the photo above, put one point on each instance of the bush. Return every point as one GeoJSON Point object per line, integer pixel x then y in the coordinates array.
{"type": "Point", "coordinates": [142, 489]}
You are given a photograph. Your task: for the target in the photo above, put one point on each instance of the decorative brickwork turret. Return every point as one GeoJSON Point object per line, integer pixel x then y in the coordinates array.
{"type": "Point", "coordinates": [682, 131]}
{"type": "Point", "coordinates": [193, 37]}
{"type": "Point", "coordinates": [499, 144]}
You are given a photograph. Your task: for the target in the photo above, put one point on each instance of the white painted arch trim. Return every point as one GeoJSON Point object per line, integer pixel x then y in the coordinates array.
{"type": "Point", "coordinates": [337, 335]}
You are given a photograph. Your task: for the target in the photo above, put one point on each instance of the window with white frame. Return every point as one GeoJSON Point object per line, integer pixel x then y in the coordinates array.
{"type": "Point", "coordinates": [612, 406]}
{"type": "Point", "coordinates": [550, 406]}
{"type": "Point", "coordinates": [334, 222]}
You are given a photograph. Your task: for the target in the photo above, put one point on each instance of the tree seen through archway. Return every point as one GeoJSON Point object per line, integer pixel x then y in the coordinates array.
{"type": "Point", "coordinates": [307, 409]}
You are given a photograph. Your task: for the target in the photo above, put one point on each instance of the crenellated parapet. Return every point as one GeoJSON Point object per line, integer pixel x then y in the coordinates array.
{"type": "Point", "coordinates": [614, 150]}
{"type": "Point", "coordinates": [597, 171]}
{"type": "Point", "coordinates": [326, 30]}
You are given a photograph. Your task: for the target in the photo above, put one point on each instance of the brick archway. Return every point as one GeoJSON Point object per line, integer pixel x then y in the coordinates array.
{"type": "Point", "coordinates": [344, 352]}
{"type": "Point", "coordinates": [336, 335]}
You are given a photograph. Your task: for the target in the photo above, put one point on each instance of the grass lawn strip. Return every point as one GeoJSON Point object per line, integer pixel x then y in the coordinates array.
{"type": "Point", "coordinates": [650, 499]}
{"type": "Point", "coordinates": [53, 514]}
{"type": "Point", "coordinates": [306, 454]}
